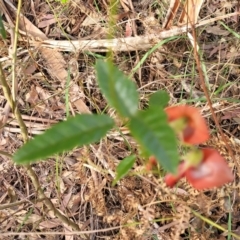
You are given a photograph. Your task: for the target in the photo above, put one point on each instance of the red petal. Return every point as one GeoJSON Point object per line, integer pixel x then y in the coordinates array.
{"type": "Point", "coordinates": [171, 179]}
{"type": "Point", "coordinates": [152, 162]}
{"type": "Point", "coordinates": [212, 172]}
{"type": "Point", "coordinates": [196, 131]}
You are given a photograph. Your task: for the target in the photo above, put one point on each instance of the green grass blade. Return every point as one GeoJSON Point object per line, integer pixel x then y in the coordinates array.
{"type": "Point", "coordinates": [153, 49]}
{"type": "Point", "coordinates": [235, 34]}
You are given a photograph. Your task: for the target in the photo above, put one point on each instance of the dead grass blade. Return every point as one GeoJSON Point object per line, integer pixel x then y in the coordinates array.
{"type": "Point", "coordinates": [172, 11]}
{"type": "Point", "coordinates": [191, 11]}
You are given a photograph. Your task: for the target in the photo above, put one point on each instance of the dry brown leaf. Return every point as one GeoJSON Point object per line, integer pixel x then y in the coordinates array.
{"type": "Point", "coordinates": [216, 30]}
{"type": "Point", "coordinates": [43, 94]}
{"type": "Point", "coordinates": [76, 97]}
{"type": "Point", "coordinates": [38, 98]}
{"type": "Point", "coordinates": [31, 30]}
{"type": "Point", "coordinates": [55, 64]}
{"type": "Point", "coordinates": [68, 229]}
{"type": "Point", "coordinates": [32, 96]}
{"type": "Point", "coordinates": [66, 199]}
{"type": "Point", "coordinates": [30, 68]}
{"type": "Point", "coordinates": [216, 49]}
{"type": "Point", "coordinates": [32, 218]}
{"type": "Point", "coordinates": [50, 224]}
{"type": "Point", "coordinates": [61, 185]}
{"type": "Point", "coordinates": [25, 25]}
{"type": "Point", "coordinates": [93, 16]}
{"type": "Point", "coordinates": [75, 92]}
{"type": "Point", "coordinates": [191, 11]}
{"type": "Point", "coordinates": [81, 106]}
{"type": "Point", "coordinates": [46, 23]}
{"type": "Point", "coordinates": [74, 203]}
{"type": "Point", "coordinates": [69, 175]}
{"type": "Point", "coordinates": [54, 60]}
{"type": "Point", "coordinates": [89, 20]}
{"type": "Point", "coordinates": [3, 141]}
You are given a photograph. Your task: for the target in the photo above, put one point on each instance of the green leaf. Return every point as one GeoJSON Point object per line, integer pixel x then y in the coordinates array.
{"type": "Point", "coordinates": [76, 131]}
{"type": "Point", "coordinates": [2, 29]}
{"type": "Point", "coordinates": [159, 99]}
{"type": "Point", "coordinates": [119, 91]}
{"type": "Point", "coordinates": [123, 168]}
{"type": "Point", "coordinates": [155, 136]}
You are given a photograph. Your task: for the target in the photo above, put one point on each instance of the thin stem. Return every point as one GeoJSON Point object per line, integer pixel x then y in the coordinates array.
{"type": "Point", "coordinates": [8, 95]}
{"type": "Point", "coordinates": [47, 201]}
{"type": "Point", "coordinates": [14, 53]}
{"type": "Point", "coordinates": [31, 173]}
{"type": "Point", "coordinates": [9, 205]}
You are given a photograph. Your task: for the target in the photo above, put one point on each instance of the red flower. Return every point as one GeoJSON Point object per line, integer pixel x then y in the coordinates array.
{"type": "Point", "coordinates": [171, 179]}
{"type": "Point", "coordinates": [152, 162]}
{"type": "Point", "coordinates": [188, 121]}
{"type": "Point", "coordinates": [212, 171]}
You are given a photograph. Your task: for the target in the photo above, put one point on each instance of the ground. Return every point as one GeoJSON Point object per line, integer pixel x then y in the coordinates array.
{"type": "Point", "coordinates": [57, 47]}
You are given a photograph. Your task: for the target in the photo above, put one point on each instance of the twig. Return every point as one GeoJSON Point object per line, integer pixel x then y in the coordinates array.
{"type": "Point", "coordinates": [122, 44]}
{"type": "Point", "coordinates": [60, 233]}
{"type": "Point", "coordinates": [9, 205]}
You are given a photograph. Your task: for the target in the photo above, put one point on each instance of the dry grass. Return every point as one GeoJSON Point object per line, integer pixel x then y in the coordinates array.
{"type": "Point", "coordinates": [79, 182]}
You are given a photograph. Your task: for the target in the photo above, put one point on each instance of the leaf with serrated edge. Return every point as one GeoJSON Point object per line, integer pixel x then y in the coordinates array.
{"type": "Point", "coordinates": [76, 131]}
{"type": "Point", "coordinates": [123, 168]}
{"type": "Point", "coordinates": [119, 91]}
{"type": "Point", "coordinates": [151, 130]}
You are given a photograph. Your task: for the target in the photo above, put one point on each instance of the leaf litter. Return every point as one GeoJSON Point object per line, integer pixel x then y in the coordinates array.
{"type": "Point", "coordinates": [79, 182]}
